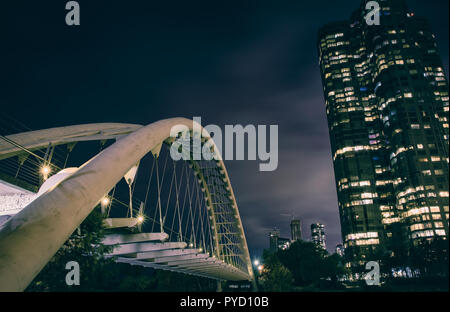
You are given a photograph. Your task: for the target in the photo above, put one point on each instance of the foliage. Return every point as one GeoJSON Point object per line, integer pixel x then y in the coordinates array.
{"type": "Point", "coordinates": [428, 259]}
{"type": "Point", "coordinates": [310, 263]}
{"type": "Point", "coordinates": [431, 259]}
{"type": "Point", "coordinates": [83, 246]}
{"type": "Point", "coordinates": [302, 264]}
{"type": "Point", "coordinates": [275, 276]}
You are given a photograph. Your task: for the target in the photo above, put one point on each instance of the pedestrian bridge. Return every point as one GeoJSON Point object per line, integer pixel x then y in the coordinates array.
{"type": "Point", "coordinates": [179, 216]}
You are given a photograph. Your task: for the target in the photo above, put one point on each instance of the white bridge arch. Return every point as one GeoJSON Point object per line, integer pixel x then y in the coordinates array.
{"type": "Point", "coordinates": [30, 238]}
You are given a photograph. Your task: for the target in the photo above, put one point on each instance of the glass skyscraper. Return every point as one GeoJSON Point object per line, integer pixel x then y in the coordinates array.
{"type": "Point", "coordinates": [318, 235]}
{"type": "Point", "coordinates": [387, 105]}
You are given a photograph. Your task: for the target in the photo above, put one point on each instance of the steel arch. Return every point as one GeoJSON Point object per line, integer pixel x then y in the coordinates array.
{"type": "Point", "coordinates": [27, 234]}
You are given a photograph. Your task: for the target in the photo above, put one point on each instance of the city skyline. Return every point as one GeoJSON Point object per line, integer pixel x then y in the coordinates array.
{"type": "Point", "coordinates": [313, 200]}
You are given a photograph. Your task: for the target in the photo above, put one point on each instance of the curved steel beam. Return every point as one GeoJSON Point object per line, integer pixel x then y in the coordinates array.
{"type": "Point", "coordinates": [34, 140]}
{"type": "Point", "coordinates": [209, 208]}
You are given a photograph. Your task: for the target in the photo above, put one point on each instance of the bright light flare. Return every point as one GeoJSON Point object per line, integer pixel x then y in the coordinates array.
{"type": "Point", "coordinates": [45, 171]}
{"type": "Point", "coordinates": [140, 219]}
{"type": "Point", "coordinates": [256, 262]}
{"type": "Point", "coordinates": [105, 201]}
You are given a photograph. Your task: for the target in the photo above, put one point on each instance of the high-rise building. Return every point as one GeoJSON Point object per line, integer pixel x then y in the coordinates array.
{"type": "Point", "coordinates": [283, 243]}
{"type": "Point", "coordinates": [340, 250]}
{"type": "Point", "coordinates": [296, 230]}
{"type": "Point", "coordinates": [387, 103]}
{"type": "Point", "coordinates": [318, 235]}
{"type": "Point", "coordinates": [276, 242]}
{"type": "Point", "coordinates": [273, 240]}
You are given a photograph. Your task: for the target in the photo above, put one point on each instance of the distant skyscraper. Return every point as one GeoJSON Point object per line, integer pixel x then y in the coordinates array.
{"type": "Point", "coordinates": [273, 240]}
{"type": "Point", "coordinates": [387, 102]}
{"type": "Point", "coordinates": [318, 234]}
{"type": "Point", "coordinates": [276, 242]}
{"type": "Point", "coordinates": [283, 243]}
{"type": "Point", "coordinates": [296, 230]}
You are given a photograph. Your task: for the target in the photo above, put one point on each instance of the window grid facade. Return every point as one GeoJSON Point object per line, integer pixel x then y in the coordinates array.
{"type": "Point", "coordinates": [387, 103]}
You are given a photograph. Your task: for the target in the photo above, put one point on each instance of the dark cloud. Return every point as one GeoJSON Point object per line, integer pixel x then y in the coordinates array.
{"type": "Point", "coordinates": [230, 62]}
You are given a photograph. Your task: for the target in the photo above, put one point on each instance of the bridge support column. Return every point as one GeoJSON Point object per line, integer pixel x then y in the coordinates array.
{"type": "Point", "coordinates": [219, 286]}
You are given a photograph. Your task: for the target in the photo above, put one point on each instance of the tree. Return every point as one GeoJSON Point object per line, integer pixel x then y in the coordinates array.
{"type": "Point", "coordinates": [309, 264]}
{"type": "Point", "coordinates": [275, 276]}
{"type": "Point", "coordinates": [334, 268]}
{"type": "Point", "coordinates": [305, 261]}
{"type": "Point", "coordinates": [85, 247]}
{"type": "Point", "coordinates": [431, 258]}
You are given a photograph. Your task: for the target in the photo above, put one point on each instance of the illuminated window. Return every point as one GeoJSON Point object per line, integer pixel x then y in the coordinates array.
{"type": "Point", "coordinates": [434, 209]}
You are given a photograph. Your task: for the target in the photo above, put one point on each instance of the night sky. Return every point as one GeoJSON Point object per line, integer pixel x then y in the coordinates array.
{"type": "Point", "coordinates": [230, 62]}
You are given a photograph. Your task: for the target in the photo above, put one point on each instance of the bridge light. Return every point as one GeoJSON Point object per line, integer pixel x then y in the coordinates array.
{"type": "Point", "coordinates": [140, 219]}
{"type": "Point", "coordinates": [260, 268]}
{"type": "Point", "coordinates": [45, 171]}
{"type": "Point", "coordinates": [105, 201]}
{"type": "Point", "coordinates": [256, 262]}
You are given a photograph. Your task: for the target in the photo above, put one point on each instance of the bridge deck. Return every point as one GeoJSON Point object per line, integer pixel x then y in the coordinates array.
{"type": "Point", "coordinates": [149, 250]}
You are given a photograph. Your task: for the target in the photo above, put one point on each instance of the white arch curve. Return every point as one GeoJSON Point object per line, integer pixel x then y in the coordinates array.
{"type": "Point", "coordinates": [33, 140]}
{"type": "Point", "coordinates": [38, 231]}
